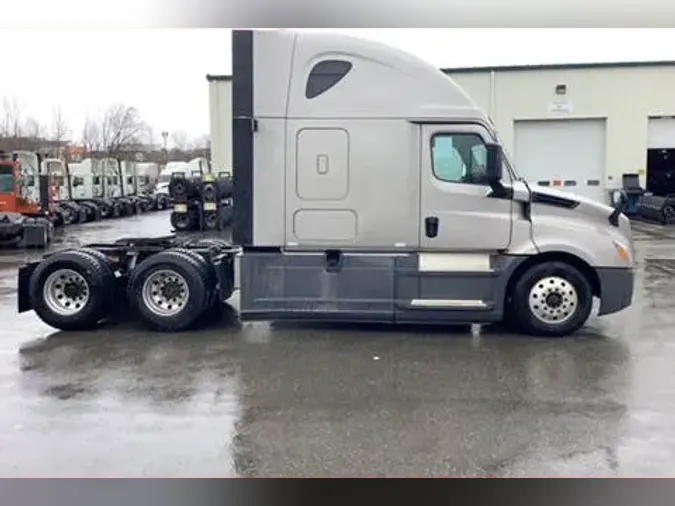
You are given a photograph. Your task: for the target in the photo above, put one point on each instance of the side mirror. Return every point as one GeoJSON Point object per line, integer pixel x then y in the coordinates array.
{"type": "Point", "coordinates": [494, 168]}
{"type": "Point", "coordinates": [494, 164]}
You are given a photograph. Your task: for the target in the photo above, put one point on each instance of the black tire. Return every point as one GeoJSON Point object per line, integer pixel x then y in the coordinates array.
{"type": "Point", "coordinates": [568, 278]}
{"type": "Point", "coordinates": [198, 299]}
{"type": "Point", "coordinates": [182, 222]}
{"type": "Point", "coordinates": [100, 280]}
{"type": "Point", "coordinates": [225, 216]}
{"type": "Point", "coordinates": [103, 260]}
{"type": "Point", "coordinates": [211, 220]}
{"type": "Point", "coordinates": [209, 192]}
{"type": "Point", "coordinates": [224, 188]}
{"type": "Point", "coordinates": [70, 217]}
{"type": "Point", "coordinates": [59, 214]}
{"type": "Point", "coordinates": [106, 211]}
{"type": "Point", "coordinates": [82, 215]}
{"type": "Point", "coordinates": [91, 210]}
{"type": "Point", "coordinates": [206, 269]}
{"type": "Point", "coordinates": [178, 187]}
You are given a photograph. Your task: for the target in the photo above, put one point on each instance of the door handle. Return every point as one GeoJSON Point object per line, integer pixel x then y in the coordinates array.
{"type": "Point", "coordinates": [431, 226]}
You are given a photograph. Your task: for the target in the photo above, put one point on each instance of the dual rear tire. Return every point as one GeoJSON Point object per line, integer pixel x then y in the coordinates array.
{"type": "Point", "coordinates": [171, 290]}
{"type": "Point", "coordinates": [77, 289]}
{"type": "Point", "coordinates": [73, 290]}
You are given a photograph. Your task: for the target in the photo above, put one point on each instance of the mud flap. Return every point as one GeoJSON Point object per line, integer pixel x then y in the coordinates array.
{"type": "Point", "coordinates": [23, 281]}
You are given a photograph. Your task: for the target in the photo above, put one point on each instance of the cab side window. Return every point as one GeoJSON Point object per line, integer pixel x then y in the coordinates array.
{"type": "Point", "coordinates": [459, 158]}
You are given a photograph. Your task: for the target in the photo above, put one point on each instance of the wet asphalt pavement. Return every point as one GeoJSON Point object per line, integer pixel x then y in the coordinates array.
{"type": "Point", "coordinates": [281, 400]}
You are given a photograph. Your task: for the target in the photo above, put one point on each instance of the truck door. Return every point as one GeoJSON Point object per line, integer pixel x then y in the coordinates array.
{"type": "Point", "coordinates": [457, 212]}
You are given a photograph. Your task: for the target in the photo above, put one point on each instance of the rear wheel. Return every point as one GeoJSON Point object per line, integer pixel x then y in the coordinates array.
{"type": "Point", "coordinates": [168, 291]}
{"type": "Point", "coordinates": [69, 216]}
{"type": "Point", "coordinates": [106, 211]}
{"type": "Point", "coordinates": [72, 290]}
{"type": "Point", "coordinates": [552, 299]}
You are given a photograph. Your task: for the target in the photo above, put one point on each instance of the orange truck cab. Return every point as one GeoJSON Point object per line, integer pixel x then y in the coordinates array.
{"type": "Point", "coordinates": [24, 221]}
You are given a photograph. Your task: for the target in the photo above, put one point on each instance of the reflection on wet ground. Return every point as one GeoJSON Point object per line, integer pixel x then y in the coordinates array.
{"type": "Point", "coordinates": [348, 400]}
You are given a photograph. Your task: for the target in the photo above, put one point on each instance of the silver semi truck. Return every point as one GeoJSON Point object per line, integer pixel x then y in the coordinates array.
{"type": "Point", "coordinates": [367, 187]}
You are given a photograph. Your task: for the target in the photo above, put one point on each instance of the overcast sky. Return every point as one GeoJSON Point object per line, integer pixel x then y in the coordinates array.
{"type": "Point", "coordinates": [163, 72]}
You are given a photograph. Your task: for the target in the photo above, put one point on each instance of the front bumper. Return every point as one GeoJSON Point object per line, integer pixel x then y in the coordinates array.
{"type": "Point", "coordinates": [616, 289]}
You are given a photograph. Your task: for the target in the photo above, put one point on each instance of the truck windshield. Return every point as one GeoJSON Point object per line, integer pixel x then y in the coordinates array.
{"type": "Point", "coordinates": [6, 179]}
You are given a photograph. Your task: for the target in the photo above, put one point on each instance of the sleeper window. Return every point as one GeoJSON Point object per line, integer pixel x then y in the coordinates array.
{"type": "Point", "coordinates": [324, 75]}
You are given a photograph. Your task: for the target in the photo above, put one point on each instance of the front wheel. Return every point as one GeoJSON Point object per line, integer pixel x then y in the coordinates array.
{"type": "Point", "coordinates": [551, 299]}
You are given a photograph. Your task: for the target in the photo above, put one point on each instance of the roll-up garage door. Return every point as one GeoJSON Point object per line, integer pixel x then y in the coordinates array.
{"type": "Point", "coordinates": [567, 155]}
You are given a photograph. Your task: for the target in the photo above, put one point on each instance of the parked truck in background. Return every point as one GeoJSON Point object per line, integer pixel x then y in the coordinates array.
{"type": "Point", "coordinates": [132, 186]}
{"type": "Point", "coordinates": [66, 209]}
{"type": "Point", "coordinates": [165, 176]}
{"type": "Point", "coordinates": [88, 188]}
{"type": "Point", "coordinates": [26, 201]}
{"type": "Point", "coordinates": [368, 187]}
{"type": "Point", "coordinates": [199, 166]}
{"type": "Point", "coordinates": [147, 176]}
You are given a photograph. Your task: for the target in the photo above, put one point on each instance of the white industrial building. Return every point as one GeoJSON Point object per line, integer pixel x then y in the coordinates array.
{"type": "Point", "coordinates": [575, 126]}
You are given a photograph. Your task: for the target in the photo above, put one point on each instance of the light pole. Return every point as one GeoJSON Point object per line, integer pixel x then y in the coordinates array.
{"type": "Point", "coordinates": [165, 136]}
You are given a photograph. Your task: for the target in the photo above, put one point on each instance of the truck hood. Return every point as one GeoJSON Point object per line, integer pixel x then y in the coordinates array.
{"type": "Point", "coordinates": [580, 204]}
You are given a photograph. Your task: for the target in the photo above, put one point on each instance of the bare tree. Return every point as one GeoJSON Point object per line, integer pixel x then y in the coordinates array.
{"type": "Point", "coordinates": [123, 129]}
{"type": "Point", "coordinates": [202, 143]}
{"type": "Point", "coordinates": [60, 130]}
{"type": "Point", "coordinates": [150, 137]}
{"type": "Point", "coordinates": [180, 141]}
{"type": "Point", "coordinates": [11, 123]}
{"type": "Point", "coordinates": [91, 135]}
{"type": "Point", "coordinates": [33, 129]}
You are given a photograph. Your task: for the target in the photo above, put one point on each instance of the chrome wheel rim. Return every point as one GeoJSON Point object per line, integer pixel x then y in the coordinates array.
{"type": "Point", "coordinates": [165, 293]}
{"type": "Point", "coordinates": [553, 300]}
{"type": "Point", "coordinates": [66, 292]}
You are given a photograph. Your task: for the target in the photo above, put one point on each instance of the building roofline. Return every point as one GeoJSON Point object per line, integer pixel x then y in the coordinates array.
{"type": "Point", "coordinates": [211, 78]}
{"type": "Point", "coordinates": [525, 68]}
{"type": "Point", "coordinates": [559, 66]}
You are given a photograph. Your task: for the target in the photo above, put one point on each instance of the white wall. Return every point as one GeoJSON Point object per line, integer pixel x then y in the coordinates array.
{"type": "Point", "coordinates": [625, 96]}
{"type": "Point", "coordinates": [220, 117]}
